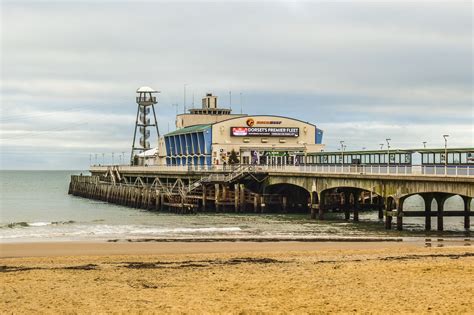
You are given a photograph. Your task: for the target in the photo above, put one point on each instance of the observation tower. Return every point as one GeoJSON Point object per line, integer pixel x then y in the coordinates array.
{"type": "Point", "coordinates": [145, 100]}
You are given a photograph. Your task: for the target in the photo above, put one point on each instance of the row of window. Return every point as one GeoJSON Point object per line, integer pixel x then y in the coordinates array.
{"type": "Point", "coordinates": [395, 158]}
{"type": "Point", "coordinates": [187, 144]}
{"type": "Point", "coordinates": [201, 160]}
{"type": "Point", "coordinates": [453, 158]}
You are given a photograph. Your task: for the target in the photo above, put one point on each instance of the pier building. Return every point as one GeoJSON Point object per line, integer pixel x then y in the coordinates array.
{"type": "Point", "coordinates": [210, 135]}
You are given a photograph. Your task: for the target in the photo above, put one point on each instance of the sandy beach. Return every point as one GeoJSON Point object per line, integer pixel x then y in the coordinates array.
{"type": "Point", "coordinates": [236, 277]}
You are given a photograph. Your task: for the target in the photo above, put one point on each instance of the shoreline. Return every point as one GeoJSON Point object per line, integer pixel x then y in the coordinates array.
{"type": "Point", "coordinates": [201, 246]}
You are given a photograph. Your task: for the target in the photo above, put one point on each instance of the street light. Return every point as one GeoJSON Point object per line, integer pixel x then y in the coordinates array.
{"type": "Point", "coordinates": [424, 144]}
{"type": "Point", "coordinates": [381, 146]}
{"type": "Point", "coordinates": [388, 154]}
{"type": "Point", "coordinates": [342, 153]}
{"type": "Point", "coordinates": [445, 154]}
{"type": "Point", "coordinates": [175, 105]}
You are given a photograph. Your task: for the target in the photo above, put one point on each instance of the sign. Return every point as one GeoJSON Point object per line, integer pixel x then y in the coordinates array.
{"type": "Point", "coordinates": [251, 122]}
{"type": "Point", "coordinates": [264, 131]}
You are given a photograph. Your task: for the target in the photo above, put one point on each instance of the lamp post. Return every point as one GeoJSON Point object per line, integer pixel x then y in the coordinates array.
{"type": "Point", "coordinates": [381, 146]}
{"type": "Point", "coordinates": [388, 155]}
{"type": "Point", "coordinates": [95, 159]}
{"type": "Point", "coordinates": [445, 154]}
{"type": "Point", "coordinates": [176, 105]}
{"type": "Point", "coordinates": [342, 153]}
{"type": "Point", "coordinates": [424, 144]}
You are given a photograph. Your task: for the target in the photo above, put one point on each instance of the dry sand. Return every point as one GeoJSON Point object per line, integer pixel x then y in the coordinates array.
{"type": "Point", "coordinates": [284, 277]}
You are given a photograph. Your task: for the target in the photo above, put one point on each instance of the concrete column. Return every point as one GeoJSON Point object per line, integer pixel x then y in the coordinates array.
{"type": "Point", "coordinates": [347, 204]}
{"type": "Point", "coordinates": [321, 206]}
{"type": "Point", "coordinates": [388, 216]}
{"type": "Point", "coordinates": [428, 200]}
{"type": "Point", "coordinates": [400, 215]}
{"type": "Point", "coordinates": [382, 206]}
{"type": "Point", "coordinates": [467, 209]}
{"type": "Point", "coordinates": [313, 204]}
{"type": "Point", "coordinates": [357, 205]}
{"type": "Point", "coordinates": [440, 201]}
{"type": "Point", "coordinates": [284, 203]}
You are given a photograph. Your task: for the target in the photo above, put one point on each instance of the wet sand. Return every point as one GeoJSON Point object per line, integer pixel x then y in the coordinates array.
{"type": "Point", "coordinates": [236, 277]}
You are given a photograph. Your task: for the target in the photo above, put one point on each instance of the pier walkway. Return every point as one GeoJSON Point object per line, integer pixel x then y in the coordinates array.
{"type": "Point", "coordinates": [312, 189]}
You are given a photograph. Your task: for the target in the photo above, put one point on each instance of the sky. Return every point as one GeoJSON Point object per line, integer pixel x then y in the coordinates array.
{"type": "Point", "coordinates": [361, 71]}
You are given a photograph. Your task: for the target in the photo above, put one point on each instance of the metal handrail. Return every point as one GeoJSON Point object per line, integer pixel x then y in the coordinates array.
{"type": "Point", "coordinates": [235, 171]}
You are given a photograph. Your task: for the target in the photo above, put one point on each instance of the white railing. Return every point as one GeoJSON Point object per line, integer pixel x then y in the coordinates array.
{"type": "Point", "coordinates": [408, 170]}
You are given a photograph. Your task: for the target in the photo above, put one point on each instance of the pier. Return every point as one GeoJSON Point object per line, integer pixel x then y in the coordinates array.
{"type": "Point", "coordinates": [286, 189]}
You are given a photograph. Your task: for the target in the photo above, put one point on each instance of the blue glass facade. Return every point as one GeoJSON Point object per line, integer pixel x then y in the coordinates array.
{"type": "Point", "coordinates": [319, 136]}
{"type": "Point", "coordinates": [189, 146]}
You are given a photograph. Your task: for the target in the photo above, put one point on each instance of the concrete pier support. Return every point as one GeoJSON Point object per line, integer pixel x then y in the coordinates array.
{"type": "Point", "coordinates": [284, 204]}
{"type": "Point", "coordinates": [400, 215]}
{"type": "Point", "coordinates": [440, 199]}
{"type": "Point", "coordinates": [428, 199]}
{"type": "Point", "coordinates": [313, 204]}
{"type": "Point", "coordinates": [357, 204]}
{"type": "Point", "coordinates": [381, 207]}
{"type": "Point", "coordinates": [467, 209]}
{"type": "Point", "coordinates": [322, 200]}
{"type": "Point", "coordinates": [346, 206]}
{"type": "Point", "coordinates": [388, 217]}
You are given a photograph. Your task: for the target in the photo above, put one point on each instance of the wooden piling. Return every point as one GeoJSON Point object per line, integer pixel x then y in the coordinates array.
{"type": "Point", "coordinates": [236, 197]}
{"type": "Point", "coordinates": [217, 196]}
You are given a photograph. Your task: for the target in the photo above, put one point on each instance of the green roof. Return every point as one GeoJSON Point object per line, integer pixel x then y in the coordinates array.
{"type": "Point", "coordinates": [190, 129]}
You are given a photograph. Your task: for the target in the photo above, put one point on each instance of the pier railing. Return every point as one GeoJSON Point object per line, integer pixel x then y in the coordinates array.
{"type": "Point", "coordinates": [396, 170]}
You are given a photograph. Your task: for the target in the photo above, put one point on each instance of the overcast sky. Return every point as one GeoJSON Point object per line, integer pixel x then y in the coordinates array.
{"type": "Point", "coordinates": [361, 71]}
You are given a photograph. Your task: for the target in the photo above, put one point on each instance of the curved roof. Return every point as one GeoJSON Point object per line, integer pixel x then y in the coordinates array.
{"type": "Point", "coordinates": [146, 89]}
{"type": "Point", "coordinates": [278, 116]}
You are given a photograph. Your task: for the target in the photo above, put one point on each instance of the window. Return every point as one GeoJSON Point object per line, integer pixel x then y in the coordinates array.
{"type": "Point", "coordinates": [437, 158]}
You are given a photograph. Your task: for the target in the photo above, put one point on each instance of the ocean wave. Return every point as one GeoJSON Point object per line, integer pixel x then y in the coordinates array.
{"type": "Point", "coordinates": [49, 230]}
{"type": "Point", "coordinates": [23, 224]}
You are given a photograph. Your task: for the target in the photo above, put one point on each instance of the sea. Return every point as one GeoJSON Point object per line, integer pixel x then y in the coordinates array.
{"type": "Point", "coordinates": [35, 206]}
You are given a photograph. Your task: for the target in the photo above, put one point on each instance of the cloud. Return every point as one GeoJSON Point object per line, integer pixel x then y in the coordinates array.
{"type": "Point", "coordinates": [359, 70]}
